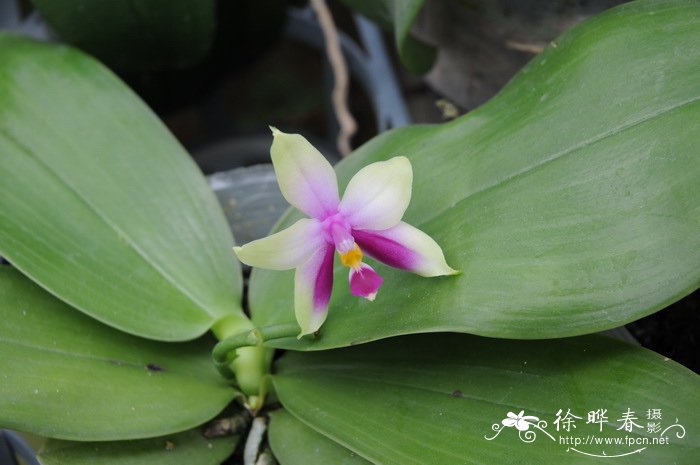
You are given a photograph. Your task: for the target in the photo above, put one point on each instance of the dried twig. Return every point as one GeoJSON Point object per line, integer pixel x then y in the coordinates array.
{"type": "Point", "coordinates": [221, 427]}
{"type": "Point", "coordinates": [448, 109]}
{"type": "Point", "coordinates": [533, 48]}
{"type": "Point", "coordinates": [347, 123]}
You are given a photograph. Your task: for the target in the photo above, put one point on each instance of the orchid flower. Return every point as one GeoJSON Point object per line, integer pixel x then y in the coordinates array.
{"type": "Point", "coordinates": [521, 421]}
{"type": "Point", "coordinates": [366, 221]}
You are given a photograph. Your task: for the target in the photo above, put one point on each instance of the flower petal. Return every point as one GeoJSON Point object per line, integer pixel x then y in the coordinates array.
{"type": "Point", "coordinates": [405, 247]}
{"type": "Point", "coordinates": [522, 425]}
{"type": "Point", "coordinates": [313, 285]}
{"type": "Point", "coordinates": [509, 422]}
{"type": "Point", "coordinates": [365, 282]}
{"type": "Point", "coordinates": [378, 195]}
{"type": "Point", "coordinates": [286, 249]}
{"type": "Point", "coordinates": [305, 177]}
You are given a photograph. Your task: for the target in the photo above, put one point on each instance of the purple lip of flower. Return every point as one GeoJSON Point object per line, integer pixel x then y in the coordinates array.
{"type": "Point", "coordinates": [367, 220]}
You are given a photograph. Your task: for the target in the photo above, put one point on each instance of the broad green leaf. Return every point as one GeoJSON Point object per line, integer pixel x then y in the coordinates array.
{"type": "Point", "coordinates": [294, 443]}
{"type": "Point", "coordinates": [437, 399]}
{"type": "Point", "coordinates": [186, 448]}
{"type": "Point", "coordinates": [398, 16]}
{"type": "Point", "coordinates": [570, 202]}
{"type": "Point", "coordinates": [100, 205]}
{"type": "Point", "coordinates": [64, 375]}
{"type": "Point", "coordinates": [143, 35]}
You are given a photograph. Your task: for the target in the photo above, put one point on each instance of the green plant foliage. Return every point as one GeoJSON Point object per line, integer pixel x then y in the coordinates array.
{"type": "Point", "coordinates": [398, 16]}
{"type": "Point", "coordinates": [64, 375]}
{"type": "Point", "coordinates": [99, 203]}
{"type": "Point", "coordinates": [143, 35]}
{"type": "Point", "coordinates": [186, 448]}
{"type": "Point", "coordinates": [570, 202]}
{"type": "Point", "coordinates": [294, 443]}
{"type": "Point", "coordinates": [433, 399]}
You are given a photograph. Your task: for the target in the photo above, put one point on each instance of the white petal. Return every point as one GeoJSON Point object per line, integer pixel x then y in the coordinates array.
{"type": "Point", "coordinates": [522, 425]}
{"type": "Point", "coordinates": [509, 422]}
{"type": "Point", "coordinates": [313, 286]}
{"type": "Point", "coordinates": [378, 195]}
{"type": "Point", "coordinates": [286, 249]}
{"type": "Point", "coordinates": [305, 177]}
{"type": "Point", "coordinates": [407, 248]}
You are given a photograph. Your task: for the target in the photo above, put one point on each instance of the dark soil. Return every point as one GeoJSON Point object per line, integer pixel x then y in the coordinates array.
{"type": "Point", "coordinates": [673, 332]}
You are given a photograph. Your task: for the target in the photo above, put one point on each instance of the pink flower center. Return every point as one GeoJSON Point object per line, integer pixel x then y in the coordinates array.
{"type": "Point", "coordinates": [337, 231]}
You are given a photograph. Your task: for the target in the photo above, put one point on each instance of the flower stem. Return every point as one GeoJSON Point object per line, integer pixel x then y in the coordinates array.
{"type": "Point", "coordinates": [240, 354]}
{"type": "Point", "coordinates": [251, 337]}
{"type": "Point", "coordinates": [283, 331]}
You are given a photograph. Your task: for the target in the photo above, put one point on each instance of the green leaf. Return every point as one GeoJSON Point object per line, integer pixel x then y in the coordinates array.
{"type": "Point", "coordinates": [185, 448]}
{"type": "Point", "coordinates": [99, 203]}
{"type": "Point", "coordinates": [64, 375]}
{"type": "Point", "coordinates": [143, 35]}
{"type": "Point", "coordinates": [294, 443]}
{"type": "Point", "coordinates": [570, 202]}
{"type": "Point", "coordinates": [398, 15]}
{"type": "Point", "coordinates": [435, 399]}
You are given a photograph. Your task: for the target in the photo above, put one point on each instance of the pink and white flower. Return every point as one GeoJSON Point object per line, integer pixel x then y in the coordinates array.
{"type": "Point", "coordinates": [366, 221]}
